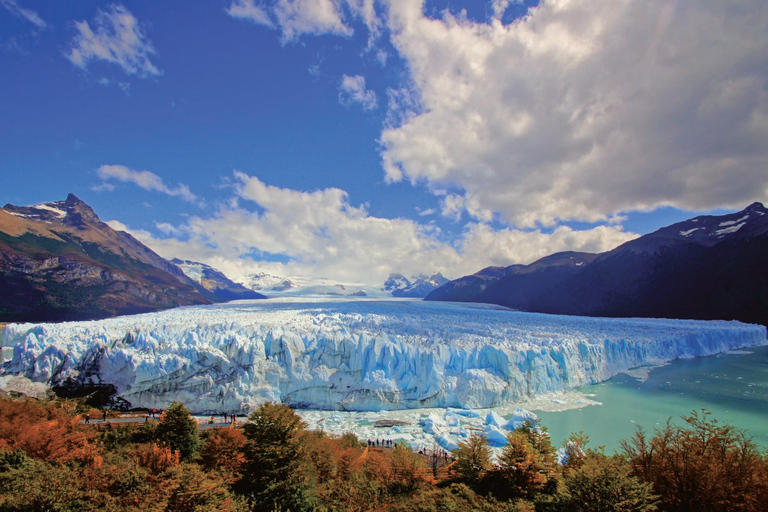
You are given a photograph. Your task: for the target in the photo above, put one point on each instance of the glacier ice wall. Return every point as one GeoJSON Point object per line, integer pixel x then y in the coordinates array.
{"type": "Point", "coordinates": [353, 354]}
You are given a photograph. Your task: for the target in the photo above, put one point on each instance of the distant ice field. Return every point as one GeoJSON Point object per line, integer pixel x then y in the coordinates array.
{"type": "Point", "coordinates": [353, 354]}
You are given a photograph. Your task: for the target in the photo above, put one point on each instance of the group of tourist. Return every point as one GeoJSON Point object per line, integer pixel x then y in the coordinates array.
{"type": "Point", "coordinates": [386, 443]}
{"type": "Point", "coordinates": [88, 416]}
{"type": "Point", "coordinates": [228, 418]}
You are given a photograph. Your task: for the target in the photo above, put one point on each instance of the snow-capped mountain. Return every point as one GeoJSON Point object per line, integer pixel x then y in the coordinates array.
{"type": "Point", "coordinates": [213, 281]}
{"type": "Point", "coordinates": [350, 354]}
{"type": "Point", "coordinates": [58, 261]}
{"type": "Point", "coordinates": [708, 267]}
{"type": "Point", "coordinates": [267, 282]}
{"type": "Point", "coordinates": [398, 285]}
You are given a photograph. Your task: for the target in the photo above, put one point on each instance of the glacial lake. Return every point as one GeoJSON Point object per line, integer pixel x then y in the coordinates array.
{"type": "Point", "coordinates": [732, 386]}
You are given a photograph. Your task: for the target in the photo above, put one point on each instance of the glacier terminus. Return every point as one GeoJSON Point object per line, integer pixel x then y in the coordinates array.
{"type": "Point", "coordinates": [352, 354]}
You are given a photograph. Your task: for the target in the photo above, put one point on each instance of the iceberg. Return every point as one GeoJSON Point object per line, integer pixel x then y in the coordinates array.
{"type": "Point", "coordinates": [353, 354]}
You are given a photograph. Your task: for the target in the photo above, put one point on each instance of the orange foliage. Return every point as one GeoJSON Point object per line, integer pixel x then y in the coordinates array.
{"type": "Point", "coordinates": [156, 459]}
{"type": "Point", "coordinates": [224, 450]}
{"type": "Point", "coordinates": [45, 432]}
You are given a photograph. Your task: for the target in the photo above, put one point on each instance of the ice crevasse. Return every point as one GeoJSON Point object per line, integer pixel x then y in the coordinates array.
{"type": "Point", "coordinates": [364, 355]}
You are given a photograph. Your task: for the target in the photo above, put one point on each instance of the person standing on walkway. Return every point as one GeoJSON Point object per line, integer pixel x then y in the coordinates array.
{"type": "Point", "coordinates": [105, 415]}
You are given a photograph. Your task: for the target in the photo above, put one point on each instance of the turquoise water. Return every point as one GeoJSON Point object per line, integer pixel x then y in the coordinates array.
{"type": "Point", "coordinates": [733, 387]}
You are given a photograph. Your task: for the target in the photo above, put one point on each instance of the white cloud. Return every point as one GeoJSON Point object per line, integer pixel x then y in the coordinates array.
{"type": "Point", "coordinates": [25, 14]}
{"type": "Point", "coordinates": [143, 179]}
{"type": "Point", "coordinates": [248, 10]}
{"type": "Point", "coordinates": [352, 90]}
{"type": "Point", "coordinates": [116, 38]}
{"type": "Point", "coordinates": [500, 247]}
{"type": "Point", "coordinates": [296, 18]}
{"type": "Point", "coordinates": [321, 234]}
{"type": "Point", "coordinates": [119, 226]}
{"type": "Point", "coordinates": [586, 108]}
{"type": "Point", "coordinates": [425, 213]}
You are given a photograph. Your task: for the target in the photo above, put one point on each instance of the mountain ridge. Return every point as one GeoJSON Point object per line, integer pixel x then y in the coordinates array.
{"type": "Point", "coordinates": [707, 267]}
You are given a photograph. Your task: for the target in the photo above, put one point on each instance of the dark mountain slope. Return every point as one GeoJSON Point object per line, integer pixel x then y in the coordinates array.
{"type": "Point", "coordinates": [526, 281]}
{"type": "Point", "coordinates": [58, 261]}
{"type": "Point", "coordinates": [709, 267]}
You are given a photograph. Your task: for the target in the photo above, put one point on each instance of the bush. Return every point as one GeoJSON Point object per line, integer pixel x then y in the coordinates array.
{"type": "Point", "coordinates": [604, 484]}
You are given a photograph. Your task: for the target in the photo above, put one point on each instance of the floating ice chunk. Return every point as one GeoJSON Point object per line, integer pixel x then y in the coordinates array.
{"type": "Point", "coordinates": [519, 418]}
{"type": "Point", "coordinates": [447, 442]}
{"type": "Point", "coordinates": [495, 419]}
{"type": "Point", "coordinates": [494, 435]}
{"type": "Point", "coordinates": [451, 419]}
{"type": "Point", "coordinates": [433, 424]}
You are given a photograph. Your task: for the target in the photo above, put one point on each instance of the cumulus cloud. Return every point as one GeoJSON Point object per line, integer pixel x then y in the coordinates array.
{"type": "Point", "coordinates": [143, 179]}
{"type": "Point", "coordinates": [352, 90]}
{"type": "Point", "coordinates": [320, 233]}
{"type": "Point", "coordinates": [117, 38]}
{"type": "Point", "coordinates": [295, 18]}
{"type": "Point", "coordinates": [585, 108]}
{"type": "Point", "coordinates": [23, 13]}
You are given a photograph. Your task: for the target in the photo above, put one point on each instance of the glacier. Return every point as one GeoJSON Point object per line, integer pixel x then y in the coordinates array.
{"type": "Point", "coordinates": [353, 354]}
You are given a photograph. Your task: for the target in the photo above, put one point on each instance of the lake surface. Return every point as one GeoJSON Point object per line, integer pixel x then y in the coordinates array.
{"type": "Point", "coordinates": [732, 386]}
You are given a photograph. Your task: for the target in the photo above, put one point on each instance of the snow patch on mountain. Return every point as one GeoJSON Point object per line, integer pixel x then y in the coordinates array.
{"type": "Point", "coordinates": [731, 229]}
{"type": "Point", "coordinates": [344, 354]}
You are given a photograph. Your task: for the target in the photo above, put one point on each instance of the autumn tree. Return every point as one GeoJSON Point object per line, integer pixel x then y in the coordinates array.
{"type": "Point", "coordinates": [700, 466]}
{"type": "Point", "coordinates": [407, 468]}
{"type": "Point", "coordinates": [194, 490]}
{"type": "Point", "coordinates": [223, 450]}
{"type": "Point", "coordinates": [178, 430]}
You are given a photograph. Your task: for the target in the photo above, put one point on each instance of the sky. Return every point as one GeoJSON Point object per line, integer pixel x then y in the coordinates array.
{"type": "Point", "coordinates": [349, 139]}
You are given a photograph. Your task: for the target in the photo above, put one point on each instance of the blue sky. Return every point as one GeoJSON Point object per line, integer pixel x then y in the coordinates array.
{"type": "Point", "coordinates": [353, 138]}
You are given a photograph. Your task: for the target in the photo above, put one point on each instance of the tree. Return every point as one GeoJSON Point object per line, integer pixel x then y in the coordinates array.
{"type": "Point", "coordinates": [473, 459]}
{"type": "Point", "coordinates": [178, 430]}
{"type": "Point", "coordinates": [573, 451]}
{"type": "Point", "coordinates": [700, 466]}
{"type": "Point", "coordinates": [277, 473]}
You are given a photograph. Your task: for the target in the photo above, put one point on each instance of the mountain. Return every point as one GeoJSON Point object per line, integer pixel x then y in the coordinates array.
{"type": "Point", "coordinates": [708, 267]}
{"type": "Point", "coordinates": [58, 262]}
{"type": "Point", "coordinates": [266, 282]}
{"type": "Point", "coordinates": [417, 286]}
{"type": "Point", "coordinates": [213, 283]}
